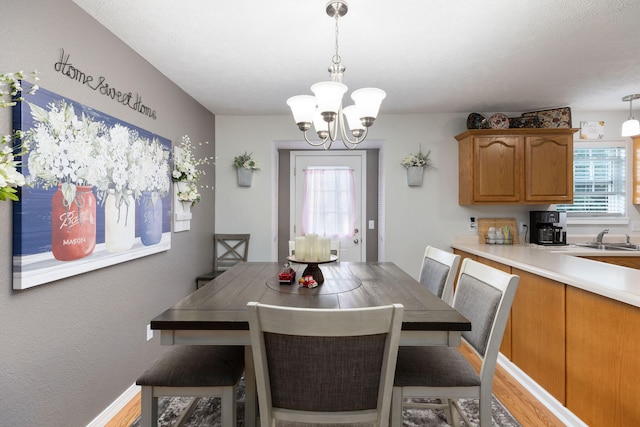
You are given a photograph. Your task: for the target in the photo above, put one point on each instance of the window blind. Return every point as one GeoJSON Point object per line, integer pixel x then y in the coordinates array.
{"type": "Point", "coordinates": [599, 175]}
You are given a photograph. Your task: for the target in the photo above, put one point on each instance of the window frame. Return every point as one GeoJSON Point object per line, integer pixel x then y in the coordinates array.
{"type": "Point", "coordinates": [604, 218]}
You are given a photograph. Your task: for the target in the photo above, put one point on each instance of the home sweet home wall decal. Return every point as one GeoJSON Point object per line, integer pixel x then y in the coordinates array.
{"type": "Point", "coordinates": [66, 68]}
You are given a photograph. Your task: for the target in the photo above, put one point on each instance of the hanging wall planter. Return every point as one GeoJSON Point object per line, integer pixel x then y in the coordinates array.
{"type": "Point", "coordinates": [415, 175]}
{"type": "Point", "coordinates": [245, 177]}
{"type": "Point", "coordinates": [415, 165]}
{"type": "Point", "coordinates": [182, 206]}
{"type": "Point", "coordinates": [245, 166]}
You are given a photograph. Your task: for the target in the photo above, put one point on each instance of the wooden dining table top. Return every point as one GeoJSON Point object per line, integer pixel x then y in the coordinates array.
{"type": "Point", "coordinates": [221, 304]}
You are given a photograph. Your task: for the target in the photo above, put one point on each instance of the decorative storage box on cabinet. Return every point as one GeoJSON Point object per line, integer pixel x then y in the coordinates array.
{"type": "Point", "coordinates": [515, 166]}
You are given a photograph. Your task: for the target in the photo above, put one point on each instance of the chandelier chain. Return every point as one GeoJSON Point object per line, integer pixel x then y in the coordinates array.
{"type": "Point", "coordinates": [336, 58]}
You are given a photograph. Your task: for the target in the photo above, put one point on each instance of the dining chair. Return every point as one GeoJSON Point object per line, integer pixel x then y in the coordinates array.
{"type": "Point", "coordinates": [484, 296]}
{"type": "Point", "coordinates": [324, 366]}
{"type": "Point", "coordinates": [438, 272]}
{"type": "Point", "coordinates": [193, 371]}
{"type": "Point", "coordinates": [228, 250]}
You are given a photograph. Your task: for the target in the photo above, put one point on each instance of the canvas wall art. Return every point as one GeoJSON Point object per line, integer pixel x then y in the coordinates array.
{"type": "Point", "coordinates": [97, 194]}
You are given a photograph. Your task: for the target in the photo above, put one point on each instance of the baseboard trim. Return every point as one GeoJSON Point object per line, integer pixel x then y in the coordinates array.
{"type": "Point", "coordinates": [550, 402]}
{"type": "Point", "coordinates": [112, 410]}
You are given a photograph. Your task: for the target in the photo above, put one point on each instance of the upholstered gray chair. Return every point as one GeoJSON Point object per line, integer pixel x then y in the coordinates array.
{"type": "Point", "coordinates": [484, 296]}
{"type": "Point", "coordinates": [193, 371]}
{"type": "Point", "coordinates": [438, 272]}
{"type": "Point", "coordinates": [324, 366]}
{"type": "Point", "coordinates": [228, 250]}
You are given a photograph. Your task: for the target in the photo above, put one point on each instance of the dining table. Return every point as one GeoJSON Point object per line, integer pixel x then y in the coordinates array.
{"type": "Point", "coordinates": [216, 314]}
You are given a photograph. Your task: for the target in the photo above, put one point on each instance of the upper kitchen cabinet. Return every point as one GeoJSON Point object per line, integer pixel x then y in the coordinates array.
{"type": "Point", "coordinates": [515, 166]}
{"type": "Point", "coordinates": [636, 169]}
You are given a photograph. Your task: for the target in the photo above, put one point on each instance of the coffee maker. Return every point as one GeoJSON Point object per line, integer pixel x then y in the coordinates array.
{"type": "Point", "coordinates": [548, 228]}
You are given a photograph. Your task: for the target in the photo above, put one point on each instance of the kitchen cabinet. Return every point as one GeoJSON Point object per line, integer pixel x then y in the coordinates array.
{"type": "Point", "coordinates": [602, 359]}
{"type": "Point", "coordinates": [515, 166]}
{"type": "Point", "coordinates": [538, 331]}
{"type": "Point", "coordinates": [579, 346]}
{"type": "Point", "coordinates": [636, 169]}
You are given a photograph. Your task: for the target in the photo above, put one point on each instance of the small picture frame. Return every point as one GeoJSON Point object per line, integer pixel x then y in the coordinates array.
{"type": "Point", "coordinates": [592, 129]}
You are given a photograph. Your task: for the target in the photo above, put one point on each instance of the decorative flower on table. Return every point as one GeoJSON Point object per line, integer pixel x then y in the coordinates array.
{"type": "Point", "coordinates": [186, 169]}
{"type": "Point", "coordinates": [63, 149]}
{"type": "Point", "coordinates": [10, 178]}
{"type": "Point", "coordinates": [245, 161]}
{"type": "Point", "coordinates": [420, 159]}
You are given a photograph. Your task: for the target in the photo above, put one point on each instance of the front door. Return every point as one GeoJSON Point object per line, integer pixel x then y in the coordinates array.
{"type": "Point", "coordinates": [352, 248]}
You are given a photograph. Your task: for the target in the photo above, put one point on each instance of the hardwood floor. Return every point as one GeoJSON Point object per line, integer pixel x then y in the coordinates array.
{"type": "Point", "coordinates": [527, 410]}
{"type": "Point", "coordinates": [127, 415]}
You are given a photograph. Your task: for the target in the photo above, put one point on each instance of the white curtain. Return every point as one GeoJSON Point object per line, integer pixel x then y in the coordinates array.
{"type": "Point", "coordinates": [329, 202]}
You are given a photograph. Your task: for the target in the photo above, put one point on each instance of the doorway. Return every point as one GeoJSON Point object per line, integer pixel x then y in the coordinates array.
{"type": "Point", "coordinates": [373, 225]}
{"type": "Point", "coordinates": [304, 165]}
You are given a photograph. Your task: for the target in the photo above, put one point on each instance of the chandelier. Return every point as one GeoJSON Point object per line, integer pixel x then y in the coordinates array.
{"type": "Point", "coordinates": [325, 110]}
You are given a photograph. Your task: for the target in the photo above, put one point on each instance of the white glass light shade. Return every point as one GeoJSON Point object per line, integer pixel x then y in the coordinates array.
{"type": "Point", "coordinates": [318, 122]}
{"type": "Point", "coordinates": [368, 101]}
{"type": "Point", "coordinates": [329, 95]}
{"type": "Point", "coordinates": [353, 117]}
{"type": "Point", "coordinates": [303, 108]}
{"type": "Point", "coordinates": [631, 128]}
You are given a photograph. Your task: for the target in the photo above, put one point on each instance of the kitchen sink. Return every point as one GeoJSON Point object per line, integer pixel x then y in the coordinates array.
{"type": "Point", "coordinates": [610, 246]}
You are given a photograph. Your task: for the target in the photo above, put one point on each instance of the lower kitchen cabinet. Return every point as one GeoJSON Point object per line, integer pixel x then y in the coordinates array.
{"type": "Point", "coordinates": [603, 371]}
{"type": "Point", "coordinates": [538, 331]}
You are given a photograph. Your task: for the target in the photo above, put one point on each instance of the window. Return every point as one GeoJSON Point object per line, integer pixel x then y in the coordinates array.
{"type": "Point", "coordinates": [329, 204]}
{"type": "Point", "coordinates": [599, 175]}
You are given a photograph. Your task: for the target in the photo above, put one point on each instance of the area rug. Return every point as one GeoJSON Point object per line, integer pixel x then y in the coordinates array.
{"type": "Point", "coordinates": [207, 413]}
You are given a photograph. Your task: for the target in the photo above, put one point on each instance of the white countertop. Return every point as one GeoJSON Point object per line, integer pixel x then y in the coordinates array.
{"type": "Point", "coordinates": [562, 264]}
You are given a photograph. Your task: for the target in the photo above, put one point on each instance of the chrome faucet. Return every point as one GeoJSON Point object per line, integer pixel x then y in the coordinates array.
{"type": "Point", "coordinates": [601, 234]}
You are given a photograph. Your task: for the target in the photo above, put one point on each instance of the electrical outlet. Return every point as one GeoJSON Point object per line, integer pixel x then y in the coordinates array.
{"type": "Point", "coordinates": [472, 223]}
{"type": "Point", "coordinates": [635, 225]}
{"type": "Point", "coordinates": [149, 332]}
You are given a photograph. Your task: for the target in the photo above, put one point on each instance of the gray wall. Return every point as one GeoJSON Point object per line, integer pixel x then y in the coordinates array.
{"type": "Point", "coordinates": [69, 348]}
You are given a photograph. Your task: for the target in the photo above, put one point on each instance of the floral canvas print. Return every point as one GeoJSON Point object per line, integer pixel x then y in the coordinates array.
{"type": "Point", "coordinates": [97, 191]}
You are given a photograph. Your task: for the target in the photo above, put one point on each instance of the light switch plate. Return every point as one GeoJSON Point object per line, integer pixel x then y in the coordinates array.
{"type": "Point", "coordinates": [635, 225]}
{"type": "Point", "coordinates": [372, 224]}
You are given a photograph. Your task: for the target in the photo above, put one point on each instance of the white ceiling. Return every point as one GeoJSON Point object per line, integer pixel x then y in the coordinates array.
{"type": "Point", "coordinates": [458, 56]}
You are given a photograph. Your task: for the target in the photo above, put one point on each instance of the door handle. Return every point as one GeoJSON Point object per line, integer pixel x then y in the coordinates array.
{"type": "Point", "coordinates": [356, 231]}
{"type": "Point", "coordinates": [356, 241]}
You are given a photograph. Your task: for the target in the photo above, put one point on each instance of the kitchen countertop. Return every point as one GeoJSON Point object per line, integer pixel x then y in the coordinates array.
{"type": "Point", "coordinates": [563, 264]}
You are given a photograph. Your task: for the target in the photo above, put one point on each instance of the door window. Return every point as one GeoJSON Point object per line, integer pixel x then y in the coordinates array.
{"type": "Point", "coordinates": [329, 202]}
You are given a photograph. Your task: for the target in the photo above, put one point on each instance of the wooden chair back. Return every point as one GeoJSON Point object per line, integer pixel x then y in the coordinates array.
{"type": "Point", "coordinates": [324, 366]}
{"type": "Point", "coordinates": [438, 272]}
{"type": "Point", "coordinates": [229, 249]}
